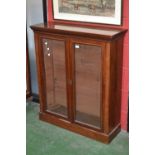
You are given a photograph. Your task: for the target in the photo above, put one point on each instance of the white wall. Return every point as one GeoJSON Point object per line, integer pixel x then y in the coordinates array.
{"type": "Point", "coordinates": [34, 15]}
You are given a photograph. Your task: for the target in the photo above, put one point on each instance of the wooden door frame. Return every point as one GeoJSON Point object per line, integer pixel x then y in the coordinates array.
{"type": "Point", "coordinates": [41, 71]}
{"type": "Point", "coordinates": [91, 42]}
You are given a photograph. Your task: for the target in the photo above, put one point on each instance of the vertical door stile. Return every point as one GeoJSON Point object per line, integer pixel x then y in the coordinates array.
{"type": "Point", "coordinates": [40, 68]}
{"type": "Point", "coordinates": [102, 86]}
{"type": "Point", "coordinates": [69, 80]}
{"type": "Point", "coordinates": [106, 81]}
{"type": "Point", "coordinates": [67, 77]}
{"type": "Point", "coordinates": [72, 56]}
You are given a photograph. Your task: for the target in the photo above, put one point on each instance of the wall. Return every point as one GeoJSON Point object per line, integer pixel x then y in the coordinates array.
{"type": "Point", "coordinates": [125, 81]}
{"type": "Point", "coordinates": [125, 75]}
{"type": "Point", "coordinates": [34, 15]}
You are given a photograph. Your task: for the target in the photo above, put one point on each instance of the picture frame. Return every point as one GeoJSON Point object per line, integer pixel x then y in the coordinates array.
{"type": "Point", "coordinates": [91, 11]}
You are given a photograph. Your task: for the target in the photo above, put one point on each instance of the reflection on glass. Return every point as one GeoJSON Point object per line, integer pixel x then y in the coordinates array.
{"type": "Point", "coordinates": [55, 74]}
{"type": "Point", "coordinates": [87, 84]}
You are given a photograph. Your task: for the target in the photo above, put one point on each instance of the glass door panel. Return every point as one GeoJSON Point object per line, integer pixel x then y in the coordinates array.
{"type": "Point", "coordinates": [55, 76]}
{"type": "Point", "coordinates": [88, 84]}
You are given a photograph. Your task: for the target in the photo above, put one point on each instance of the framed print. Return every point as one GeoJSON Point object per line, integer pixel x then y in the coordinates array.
{"type": "Point", "coordinates": [93, 11]}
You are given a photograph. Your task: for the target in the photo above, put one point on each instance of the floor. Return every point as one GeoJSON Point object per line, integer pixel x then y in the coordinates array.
{"type": "Point", "coordinates": [46, 139]}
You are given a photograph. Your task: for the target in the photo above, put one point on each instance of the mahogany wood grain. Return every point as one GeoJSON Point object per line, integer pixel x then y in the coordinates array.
{"type": "Point", "coordinates": [100, 33]}
{"type": "Point", "coordinates": [82, 79]}
{"type": "Point", "coordinates": [85, 131]}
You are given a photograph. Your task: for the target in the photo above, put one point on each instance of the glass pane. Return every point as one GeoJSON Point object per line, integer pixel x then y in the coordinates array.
{"type": "Point", "coordinates": [88, 84]}
{"type": "Point", "coordinates": [55, 74]}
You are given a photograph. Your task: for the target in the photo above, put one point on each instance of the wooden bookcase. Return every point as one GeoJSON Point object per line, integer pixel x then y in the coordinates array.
{"type": "Point", "coordinates": [79, 73]}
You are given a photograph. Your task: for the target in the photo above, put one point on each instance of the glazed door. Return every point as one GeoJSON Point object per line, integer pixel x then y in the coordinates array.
{"type": "Point", "coordinates": [87, 83]}
{"type": "Point", "coordinates": [55, 76]}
